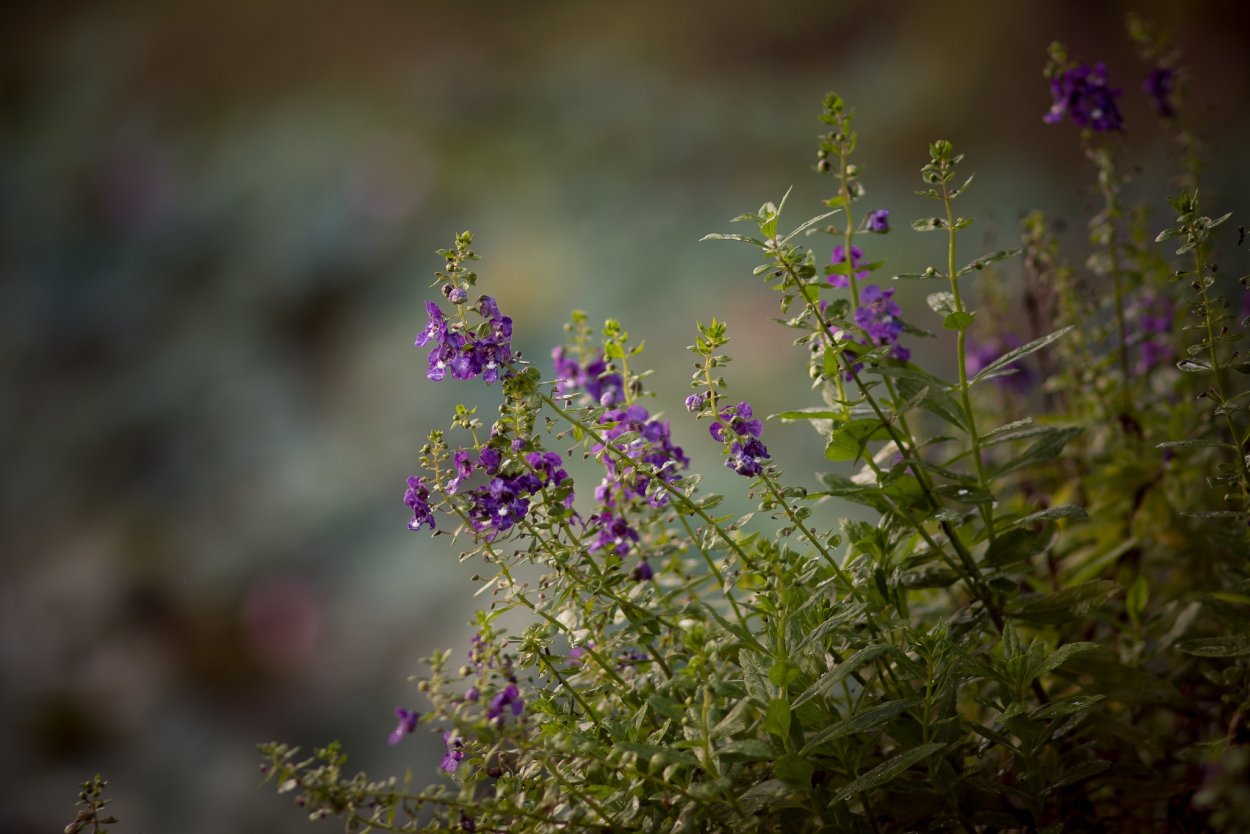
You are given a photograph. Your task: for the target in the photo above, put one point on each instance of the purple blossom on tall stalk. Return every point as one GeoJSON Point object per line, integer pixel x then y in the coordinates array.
{"type": "Point", "coordinates": [878, 222]}
{"type": "Point", "coordinates": [508, 698]}
{"type": "Point", "coordinates": [601, 386]}
{"type": "Point", "coordinates": [652, 446]}
{"type": "Point", "coordinates": [417, 498]}
{"type": "Point", "coordinates": [747, 452]}
{"type": "Point", "coordinates": [839, 257]}
{"type": "Point", "coordinates": [460, 351]}
{"type": "Point", "coordinates": [1083, 93]}
{"type": "Point", "coordinates": [1152, 316]}
{"type": "Point", "coordinates": [1159, 85]}
{"type": "Point", "coordinates": [407, 724]}
{"type": "Point", "coordinates": [879, 317]}
{"type": "Point", "coordinates": [455, 751]}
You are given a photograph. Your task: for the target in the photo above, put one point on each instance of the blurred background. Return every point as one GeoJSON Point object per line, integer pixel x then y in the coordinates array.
{"type": "Point", "coordinates": [217, 232]}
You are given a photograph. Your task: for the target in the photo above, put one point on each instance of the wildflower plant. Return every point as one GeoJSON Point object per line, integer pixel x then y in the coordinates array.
{"type": "Point", "coordinates": [1043, 626]}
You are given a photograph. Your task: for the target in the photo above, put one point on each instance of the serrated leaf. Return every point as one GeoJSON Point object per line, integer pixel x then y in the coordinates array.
{"type": "Point", "coordinates": [861, 722]}
{"type": "Point", "coordinates": [885, 772]}
{"type": "Point", "coordinates": [835, 675]}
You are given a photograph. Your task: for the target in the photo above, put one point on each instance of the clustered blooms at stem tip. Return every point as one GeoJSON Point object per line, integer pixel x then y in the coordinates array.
{"type": "Point", "coordinates": [459, 349]}
{"type": "Point", "coordinates": [878, 316]}
{"type": "Point", "coordinates": [1083, 93]}
{"type": "Point", "coordinates": [625, 484]}
{"type": "Point", "coordinates": [746, 452]}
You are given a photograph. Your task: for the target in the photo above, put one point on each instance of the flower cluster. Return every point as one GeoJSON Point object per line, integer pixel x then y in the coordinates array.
{"type": "Point", "coordinates": [839, 257]}
{"type": "Point", "coordinates": [417, 498]}
{"type": "Point", "coordinates": [407, 725]}
{"type": "Point", "coordinates": [1083, 93]}
{"type": "Point", "coordinates": [878, 316]}
{"type": "Point", "coordinates": [460, 350]}
{"type": "Point", "coordinates": [504, 500]}
{"type": "Point", "coordinates": [736, 426]}
{"type": "Point", "coordinates": [1153, 315]}
{"type": "Point", "coordinates": [1159, 85]}
{"type": "Point", "coordinates": [602, 385]}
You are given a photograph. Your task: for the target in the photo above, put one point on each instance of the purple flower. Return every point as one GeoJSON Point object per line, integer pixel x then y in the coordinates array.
{"type": "Point", "coordinates": [463, 466]}
{"type": "Point", "coordinates": [1159, 85]}
{"type": "Point", "coordinates": [1082, 92]}
{"type": "Point", "coordinates": [879, 317]}
{"type": "Point", "coordinates": [643, 571]}
{"type": "Point", "coordinates": [1152, 315]}
{"type": "Point", "coordinates": [467, 823]}
{"type": "Point", "coordinates": [472, 694]}
{"type": "Point", "coordinates": [407, 724]}
{"type": "Point", "coordinates": [878, 221]}
{"type": "Point", "coordinates": [455, 752]}
{"type": "Point", "coordinates": [417, 497]}
{"type": "Point", "coordinates": [459, 350]}
{"type": "Point", "coordinates": [747, 458]}
{"type": "Point", "coordinates": [839, 257]}
{"type": "Point", "coordinates": [615, 534]}
{"type": "Point", "coordinates": [509, 697]}
{"type": "Point", "coordinates": [695, 402]}
{"type": "Point", "coordinates": [595, 380]}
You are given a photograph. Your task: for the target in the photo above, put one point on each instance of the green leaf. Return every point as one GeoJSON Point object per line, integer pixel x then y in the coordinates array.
{"type": "Point", "coordinates": [746, 750]}
{"type": "Point", "coordinates": [1234, 645]}
{"type": "Point", "coordinates": [964, 494]}
{"type": "Point", "coordinates": [795, 770]}
{"type": "Point", "coordinates": [1196, 443]}
{"type": "Point", "coordinates": [1062, 606]}
{"type": "Point", "coordinates": [928, 224]}
{"type": "Point", "coordinates": [1061, 511]}
{"type": "Point", "coordinates": [808, 224]}
{"type": "Point", "coordinates": [958, 321]}
{"type": "Point", "coordinates": [835, 675]}
{"type": "Point", "coordinates": [1058, 657]}
{"type": "Point", "coordinates": [777, 719]}
{"type": "Point", "coordinates": [1067, 706]}
{"type": "Point", "coordinates": [861, 722]}
{"type": "Point", "coordinates": [942, 303]}
{"type": "Point", "coordinates": [1022, 351]}
{"type": "Point", "coordinates": [740, 238]}
{"type": "Point", "coordinates": [1046, 449]}
{"type": "Point", "coordinates": [847, 442]}
{"type": "Point", "coordinates": [1017, 545]}
{"type": "Point", "coordinates": [1194, 366]}
{"type": "Point", "coordinates": [766, 794]}
{"type": "Point", "coordinates": [886, 771]}
{"type": "Point", "coordinates": [985, 260]}
{"type": "Point", "coordinates": [784, 672]}
{"type": "Point", "coordinates": [810, 414]}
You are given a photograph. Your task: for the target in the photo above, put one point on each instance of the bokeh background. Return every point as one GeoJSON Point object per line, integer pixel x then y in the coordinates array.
{"type": "Point", "coordinates": [217, 226]}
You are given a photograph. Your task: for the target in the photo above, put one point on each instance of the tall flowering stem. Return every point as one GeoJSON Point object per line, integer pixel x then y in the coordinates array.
{"type": "Point", "coordinates": [840, 142]}
{"type": "Point", "coordinates": [939, 174]}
